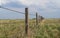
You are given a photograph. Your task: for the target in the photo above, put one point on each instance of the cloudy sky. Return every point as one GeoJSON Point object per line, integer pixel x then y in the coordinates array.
{"type": "Point", "coordinates": [45, 8]}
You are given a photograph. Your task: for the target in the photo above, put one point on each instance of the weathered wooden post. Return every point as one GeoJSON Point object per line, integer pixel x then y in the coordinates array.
{"type": "Point", "coordinates": [26, 20]}
{"type": "Point", "coordinates": [42, 18]}
{"type": "Point", "coordinates": [36, 19]}
{"type": "Point", "coordinates": [39, 18]}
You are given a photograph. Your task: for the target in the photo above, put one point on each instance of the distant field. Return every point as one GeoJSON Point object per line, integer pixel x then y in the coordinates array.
{"type": "Point", "coordinates": [48, 28]}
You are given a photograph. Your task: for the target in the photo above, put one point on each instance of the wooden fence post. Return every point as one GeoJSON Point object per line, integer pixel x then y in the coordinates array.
{"type": "Point", "coordinates": [39, 18]}
{"type": "Point", "coordinates": [42, 18]}
{"type": "Point", "coordinates": [36, 19]}
{"type": "Point", "coordinates": [26, 20]}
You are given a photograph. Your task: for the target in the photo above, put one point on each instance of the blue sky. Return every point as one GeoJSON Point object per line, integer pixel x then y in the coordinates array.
{"type": "Point", "coordinates": [45, 8]}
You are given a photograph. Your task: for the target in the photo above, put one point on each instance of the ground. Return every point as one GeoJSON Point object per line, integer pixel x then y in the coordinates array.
{"type": "Point", "coordinates": [48, 28]}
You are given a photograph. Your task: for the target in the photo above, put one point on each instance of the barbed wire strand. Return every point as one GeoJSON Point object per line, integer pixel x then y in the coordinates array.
{"type": "Point", "coordinates": [14, 10]}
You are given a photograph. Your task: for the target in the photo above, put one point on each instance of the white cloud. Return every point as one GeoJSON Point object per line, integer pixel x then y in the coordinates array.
{"type": "Point", "coordinates": [34, 2]}
{"type": "Point", "coordinates": [41, 3]}
{"type": "Point", "coordinates": [38, 3]}
{"type": "Point", "coordinates": [6, 1]}
{"type": "Point", "coordinates": [56, 3]}
{"type": "Point", "coordinates": [3, 2]}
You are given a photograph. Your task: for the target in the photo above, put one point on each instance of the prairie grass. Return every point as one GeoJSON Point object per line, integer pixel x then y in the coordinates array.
{"type": "Point", "coordinates": [49, 28]}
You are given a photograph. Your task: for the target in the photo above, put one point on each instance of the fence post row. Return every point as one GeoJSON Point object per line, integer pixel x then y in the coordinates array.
{"type": "Point", "coordinates": [39, 18]}
{"type": "Point", "coordinates": [36, 18]}
{"type": "Point", "coordinates": [26, 20]}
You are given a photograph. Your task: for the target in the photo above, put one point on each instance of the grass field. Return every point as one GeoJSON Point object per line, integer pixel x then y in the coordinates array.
{"type": "Point", "coordinates": [48, 28]}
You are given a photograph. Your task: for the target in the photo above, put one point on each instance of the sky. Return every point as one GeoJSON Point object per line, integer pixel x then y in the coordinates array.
{"type": "Point", "coordinates": [45, 8]}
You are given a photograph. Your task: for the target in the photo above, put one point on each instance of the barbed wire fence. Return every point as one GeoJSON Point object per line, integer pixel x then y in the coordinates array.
{"type": "Point", "coordinates": [38, 17]}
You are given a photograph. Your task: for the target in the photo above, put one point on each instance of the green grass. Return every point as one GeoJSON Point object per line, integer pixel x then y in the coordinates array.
{"type": "Point", "coordinates": [49, 28]}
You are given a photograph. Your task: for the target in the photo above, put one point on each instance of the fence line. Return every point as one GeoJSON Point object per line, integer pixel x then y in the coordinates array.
{"type": "Point", "coordinates": [11, 10]}
{"type": "Point", "coordinates": [27, 17]}
{"type": "Point", "coordinates": [14, 10]}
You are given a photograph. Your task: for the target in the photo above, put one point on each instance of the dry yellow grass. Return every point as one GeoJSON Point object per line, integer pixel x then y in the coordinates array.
{"type": "Point", "coordinates": [48, 28]}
